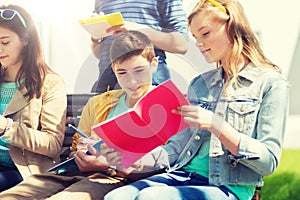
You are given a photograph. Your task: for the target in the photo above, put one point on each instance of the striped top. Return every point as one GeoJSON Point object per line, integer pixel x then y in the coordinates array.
{"type": "Point", "coordinates": [161, 15]}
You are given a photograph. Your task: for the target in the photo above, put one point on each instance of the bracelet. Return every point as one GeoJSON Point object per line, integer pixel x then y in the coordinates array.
{"type": "Point", "coordinates": [98, 41]}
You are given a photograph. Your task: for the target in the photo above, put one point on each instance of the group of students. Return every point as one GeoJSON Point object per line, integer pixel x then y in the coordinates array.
{"type": "Point", "coordinates": [237, 116]}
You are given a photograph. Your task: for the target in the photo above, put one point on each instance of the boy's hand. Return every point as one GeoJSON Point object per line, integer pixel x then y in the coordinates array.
{"type": "Point", "coordinates": [112, 156]}
{"type": "Point", "coordinates": [90, 162]}
{"type": "Point", "coordinates": [84, 142]}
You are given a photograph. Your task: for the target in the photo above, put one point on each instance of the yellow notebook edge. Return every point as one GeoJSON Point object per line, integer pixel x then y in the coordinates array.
{"type": "Point", "coordinates": [113, 19]}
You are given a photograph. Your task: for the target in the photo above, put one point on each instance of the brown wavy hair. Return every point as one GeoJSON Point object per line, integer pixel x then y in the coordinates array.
{"type": "Point", "coordinates": [131, 43]}
{"type": "Point", "coordinates": [33, 68]}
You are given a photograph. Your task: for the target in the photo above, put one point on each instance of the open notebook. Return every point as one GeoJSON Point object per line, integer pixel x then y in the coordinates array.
{"type": "Point", "coordinates": [149, 124]}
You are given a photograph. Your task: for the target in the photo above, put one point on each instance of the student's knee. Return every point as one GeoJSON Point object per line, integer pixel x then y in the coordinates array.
{"type": "Point", "coordinates": [160, 192]}
{"type": "Point", "coordinates": [126, 192]}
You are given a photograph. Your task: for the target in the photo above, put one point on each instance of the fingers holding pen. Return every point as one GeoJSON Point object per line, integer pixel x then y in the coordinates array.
{"type": "Point", "coordinates": [93, 151]}
{"type": "Point", "coordinates": [90, 161]}
{"type": "Point", "coordinates": [84, 161]}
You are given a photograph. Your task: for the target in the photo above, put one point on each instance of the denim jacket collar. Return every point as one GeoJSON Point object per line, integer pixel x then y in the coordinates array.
{"type": "Point", "coordinates": [218, 78]}
{"type": "Point", "coordinates": [249, 72]}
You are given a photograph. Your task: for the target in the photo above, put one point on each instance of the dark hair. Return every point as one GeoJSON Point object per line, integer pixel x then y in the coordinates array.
{"type": "Point", "coordinates": [131, 43]}
{"type": "Point", "coordinates": [33, 67]}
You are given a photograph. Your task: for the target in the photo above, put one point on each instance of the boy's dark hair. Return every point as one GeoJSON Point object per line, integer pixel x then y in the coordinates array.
{"type": "Point", "coordinates": [131, 43]}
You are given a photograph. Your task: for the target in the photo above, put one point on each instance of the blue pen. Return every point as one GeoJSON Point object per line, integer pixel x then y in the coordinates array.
{"type": "Point", "coordinates": [96, 145]}
{"type": "Point", "coordinates": [78, 131]}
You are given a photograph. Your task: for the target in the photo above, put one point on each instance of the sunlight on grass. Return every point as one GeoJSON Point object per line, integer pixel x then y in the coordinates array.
{"type": "Point", "coordinates": [285, 182]}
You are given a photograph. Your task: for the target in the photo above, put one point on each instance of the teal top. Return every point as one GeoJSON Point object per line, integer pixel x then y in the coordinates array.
{"type": "Point", "coordinates": [7, 90]}
{"type": "Point", "coordinates": [200, 164]}
{"type": "Point", "coordinates": [119, 108]}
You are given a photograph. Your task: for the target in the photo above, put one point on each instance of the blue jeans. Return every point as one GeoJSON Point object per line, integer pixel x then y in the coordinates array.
{"type": "Point", "coordinates": [9, 177]}
{"type": "Point", "coordinates": [174, 185]}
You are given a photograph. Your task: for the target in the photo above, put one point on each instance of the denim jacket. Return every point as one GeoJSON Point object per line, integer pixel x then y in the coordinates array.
{"type": "Point", "coordinates": [257, 108]}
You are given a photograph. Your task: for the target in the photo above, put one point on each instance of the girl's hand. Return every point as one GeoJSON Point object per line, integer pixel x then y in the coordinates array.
{"type": "Point", "coordinates": [196, 116]}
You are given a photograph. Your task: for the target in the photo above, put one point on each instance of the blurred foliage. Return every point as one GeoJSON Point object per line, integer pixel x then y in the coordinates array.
{"type": "Point", "coordinates": [284, 184]}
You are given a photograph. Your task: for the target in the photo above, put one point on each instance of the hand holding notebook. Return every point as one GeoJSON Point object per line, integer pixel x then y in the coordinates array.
{"type": "Point", "coordinates": [70, 165]}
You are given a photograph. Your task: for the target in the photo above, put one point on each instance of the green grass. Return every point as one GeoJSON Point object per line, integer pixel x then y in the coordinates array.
{"type": "Point", "coordinates": [285, 182]}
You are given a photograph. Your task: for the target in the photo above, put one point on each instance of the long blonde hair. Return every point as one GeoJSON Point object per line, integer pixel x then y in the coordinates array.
{"type": "Point", "coordinates": [241, 36]}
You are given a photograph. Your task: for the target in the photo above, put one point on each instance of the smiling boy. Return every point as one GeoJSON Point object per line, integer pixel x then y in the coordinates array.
{"type": "Point", "coordinates": [134, 62]}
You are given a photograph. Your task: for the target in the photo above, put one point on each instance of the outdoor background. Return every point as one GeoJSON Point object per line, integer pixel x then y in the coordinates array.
{"type": "Point", "coordinates": [67, 47]}
{"type": "Point", "coordinates": [276, 23]}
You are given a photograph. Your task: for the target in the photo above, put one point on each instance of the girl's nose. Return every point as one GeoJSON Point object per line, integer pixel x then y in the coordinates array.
{"type": "Point", "coordinates": [199, 43]}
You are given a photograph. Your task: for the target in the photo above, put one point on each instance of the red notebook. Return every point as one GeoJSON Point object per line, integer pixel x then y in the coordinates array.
{"type": "Point", "coordinates": [149, 124]}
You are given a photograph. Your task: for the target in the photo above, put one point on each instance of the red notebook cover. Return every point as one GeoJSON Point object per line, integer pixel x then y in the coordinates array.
{"type": "Point", "coordinates": [149, 124]}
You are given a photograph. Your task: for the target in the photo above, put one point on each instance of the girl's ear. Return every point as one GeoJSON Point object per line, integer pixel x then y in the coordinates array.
{"type": "Point", "coordinates": [154, 64]}
{"type": "Point", "coordinates": [25, 40]}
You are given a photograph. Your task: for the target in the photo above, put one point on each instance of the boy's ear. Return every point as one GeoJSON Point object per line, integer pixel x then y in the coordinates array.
{"type": "Point", "coordinates": [113, 67]}
{"type": "Point", "coordinates": [154, 64]}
